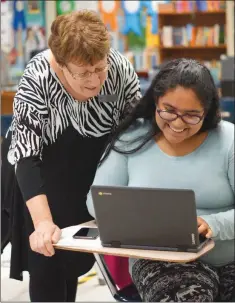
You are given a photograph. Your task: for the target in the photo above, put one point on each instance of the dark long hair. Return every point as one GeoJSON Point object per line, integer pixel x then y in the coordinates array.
{"type": "Point", "coordinates": [187, 73]}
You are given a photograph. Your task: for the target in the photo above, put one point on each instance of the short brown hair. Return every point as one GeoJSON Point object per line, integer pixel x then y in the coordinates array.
{"type": "Point", "coordinates": [79, 37]}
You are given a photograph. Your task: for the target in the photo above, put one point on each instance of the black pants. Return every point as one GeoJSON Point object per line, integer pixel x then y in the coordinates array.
{"type": "Point", "coordinates": [50, 283]}
{"type": "Point", "coordinates": [57, 289]}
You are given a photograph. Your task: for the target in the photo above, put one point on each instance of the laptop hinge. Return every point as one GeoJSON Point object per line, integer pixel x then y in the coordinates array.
{"type": "Point", "coordinates": [116, 244]}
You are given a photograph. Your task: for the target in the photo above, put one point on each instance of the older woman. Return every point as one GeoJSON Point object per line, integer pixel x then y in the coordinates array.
{"type": "Point", "coordinates": [68, 101]}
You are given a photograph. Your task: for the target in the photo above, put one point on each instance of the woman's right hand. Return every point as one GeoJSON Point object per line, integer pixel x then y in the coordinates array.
{"type": "Point", "coordinates": [45, 235]}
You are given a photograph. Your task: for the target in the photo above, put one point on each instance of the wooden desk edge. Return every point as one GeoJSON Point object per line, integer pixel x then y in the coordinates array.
{"type": "Point", "coordinates": [96, 251]}
{"type": "Point", "coordinates": [93, 250]}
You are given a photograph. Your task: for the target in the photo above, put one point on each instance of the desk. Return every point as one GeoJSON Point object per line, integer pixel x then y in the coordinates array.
{"type": "Point", "coordinates": [7, 98]}
{"type": "Point", "coordinates": [94, 246]}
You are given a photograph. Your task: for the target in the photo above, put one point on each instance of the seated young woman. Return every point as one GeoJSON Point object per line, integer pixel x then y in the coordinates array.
{"type": "Point", "coordinates": [175, 138]}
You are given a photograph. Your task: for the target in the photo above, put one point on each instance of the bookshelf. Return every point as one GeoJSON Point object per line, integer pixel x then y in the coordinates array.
{"type": "Point", "coordinates": [203, 46]}
{"type": "Point", "coordinates": [207, 13]}
{"type": "Point", "coordinates": [180, 47]}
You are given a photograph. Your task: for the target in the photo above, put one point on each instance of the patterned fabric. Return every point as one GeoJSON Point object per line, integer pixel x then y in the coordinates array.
{"type": "Point", "coordinates": [43, 109]}
{"type": "Point", "coordinates": [183, 282]}
{"type": "Point", "coordinates": [227, 282]}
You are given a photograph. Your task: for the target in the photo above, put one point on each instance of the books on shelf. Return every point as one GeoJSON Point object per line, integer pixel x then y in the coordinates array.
{"type": "Point", "coordinates": [184, 6]}
{"type": "Point", "coordinates": [199, 5]}
{"type": "Point", "coordinates": [209, 5]}
{"type": "Point", "coordinates": [191, 35]}
{"type": "Point", "coordinates": [143, 60]}
{"type": "Point", "coordinates": [147, 61]}
{"type": "Point", "coordinates": [167, 36]}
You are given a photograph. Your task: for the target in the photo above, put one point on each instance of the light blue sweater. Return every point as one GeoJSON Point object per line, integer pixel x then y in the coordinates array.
{"type": "Point", "coordinates": [209, 171]}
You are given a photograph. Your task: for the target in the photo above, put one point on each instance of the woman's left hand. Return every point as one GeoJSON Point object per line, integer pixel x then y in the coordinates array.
{"type": "Point", "coordinates": [204, 228]}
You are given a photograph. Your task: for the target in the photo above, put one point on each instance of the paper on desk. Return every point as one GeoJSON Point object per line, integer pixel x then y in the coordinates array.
{"type": "Point", "coordinates": [68, 240]}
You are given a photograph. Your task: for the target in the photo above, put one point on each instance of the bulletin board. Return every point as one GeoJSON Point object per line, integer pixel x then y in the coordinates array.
{"type": "Point", "coordinates": [22, 32]}
{"type": "Point", "coordinates": [133, 26]}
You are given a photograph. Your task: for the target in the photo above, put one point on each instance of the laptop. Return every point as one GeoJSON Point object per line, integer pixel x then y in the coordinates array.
{"type": "Point", "coordinates": [147, 218]}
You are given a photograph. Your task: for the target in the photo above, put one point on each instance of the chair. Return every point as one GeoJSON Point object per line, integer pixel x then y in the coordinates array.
{"type": "Point", "coordinates": [227, 109]}
{"type": "Point", "coordinates": [5, 124]}
{"type": "Point", "coordinates": [127, 294]}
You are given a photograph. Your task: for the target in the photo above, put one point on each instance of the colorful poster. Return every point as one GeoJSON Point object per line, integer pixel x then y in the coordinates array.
{"type": "Point", "coordinates": [138, 42]}
{"type": "Point", "coordinates": [18, 28]}
{"type": "Point", "coordinates": [35, 12]}
{"type": "Point", "coordinates": [34, 7]}
{"type": "Point", "coordinates": [24, 33]}
{"type": "Point", "coordinates": [109, 11]}
{"type": "Point", "coordinates": [7, 41]}
{"type": "Point", "coordinates": [64, 7]}
{"type": "Point", "coordinates": [151, 10]}
{"type": "Point", "coordinates": [35, 39]}
{"type": "Point", "coordinates": [132, 11]}
{"type": "Point", "coordinates": [152, 40]}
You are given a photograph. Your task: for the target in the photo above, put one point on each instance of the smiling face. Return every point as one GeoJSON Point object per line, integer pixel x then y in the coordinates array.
{"type": "Point", "coordinates": [86, 80]}
{"type": "Point", "coordinates": [182, 101]}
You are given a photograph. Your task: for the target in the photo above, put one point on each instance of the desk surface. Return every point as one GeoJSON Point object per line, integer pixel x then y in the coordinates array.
{"type": "Point", "coordinates": [7, 98]}
{"type": "Point", "coordinates": [94, 246]}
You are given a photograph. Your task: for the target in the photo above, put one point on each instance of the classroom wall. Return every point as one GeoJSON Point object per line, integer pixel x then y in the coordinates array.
{"type": "Point", "coordinates": [22, 32]}
{"type": "Point", "coordinates": [135, 35]}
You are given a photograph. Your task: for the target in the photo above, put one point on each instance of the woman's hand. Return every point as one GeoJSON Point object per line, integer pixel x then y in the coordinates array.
{"type": "Point", "coordinates": [204, 228]}
{"type": "Point", "coordinates": [41, 240]}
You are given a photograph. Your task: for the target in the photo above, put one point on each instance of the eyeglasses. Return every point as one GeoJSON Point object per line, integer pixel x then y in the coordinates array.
{"type": "Point", "coordinates": [87, 74]}
{"type": "Point", "coordinates": [172, 116]}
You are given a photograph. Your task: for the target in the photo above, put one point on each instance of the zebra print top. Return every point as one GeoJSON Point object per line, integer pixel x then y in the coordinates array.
{"type": "Point", "coordinates": [43, 109]}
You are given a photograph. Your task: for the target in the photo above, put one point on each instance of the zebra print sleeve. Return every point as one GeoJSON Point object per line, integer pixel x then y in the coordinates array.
{"type": "Point", "coordinates": [29, 112]}
{"type": "Point", "coordinates": [132, 88]}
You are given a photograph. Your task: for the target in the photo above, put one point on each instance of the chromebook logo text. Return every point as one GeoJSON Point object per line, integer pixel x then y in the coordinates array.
{"type": "Point", "coordinates": [104, 194]}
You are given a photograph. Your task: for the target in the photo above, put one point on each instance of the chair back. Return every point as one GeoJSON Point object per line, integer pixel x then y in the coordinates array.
{"type": "Point", "coordinates": [119, 270]}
